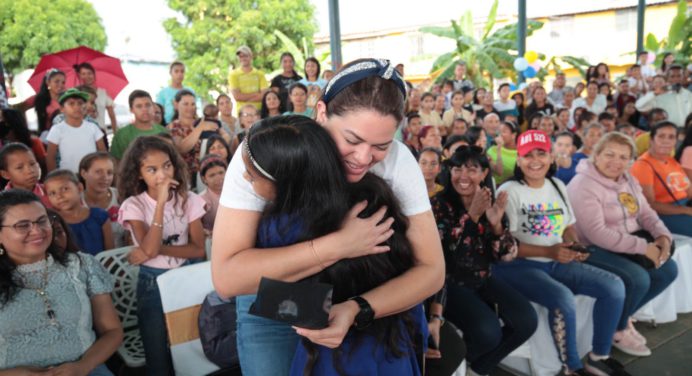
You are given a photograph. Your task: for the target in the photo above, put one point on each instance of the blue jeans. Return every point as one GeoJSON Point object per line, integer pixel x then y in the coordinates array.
{"type": "Point", "coordinates": [101, 370]}
{"type": "Point", "coordinates": [553, 285]}
{"type": "Point", "coordinates": [678, 223]}
{"type": "Point", "coordinates": [265, 347]}
{"type": "Point", "coordinates": [152, 325]}
{"type": "Point", "coordinates": [473, 311]}
{"type": "Point", "coordinates": [641, 285]}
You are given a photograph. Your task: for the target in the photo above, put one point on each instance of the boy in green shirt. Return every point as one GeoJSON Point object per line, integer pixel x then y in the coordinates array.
{"type": "Point", "coordinates": [142, 107]}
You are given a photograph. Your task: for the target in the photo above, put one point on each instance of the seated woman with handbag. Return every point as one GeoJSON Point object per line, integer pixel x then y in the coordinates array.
{"type": "Point", "coordinates": [627, 237]}
{"type": "Point", "coordinates": [664, 181]}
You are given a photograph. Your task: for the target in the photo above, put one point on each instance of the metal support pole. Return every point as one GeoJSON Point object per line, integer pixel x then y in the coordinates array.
{"type": "Point", "coordinates": [521, 35]}
{"type": "Point", "coordinates": [641, 6]}
{"type": "Point", "coordinates": [335, 34]}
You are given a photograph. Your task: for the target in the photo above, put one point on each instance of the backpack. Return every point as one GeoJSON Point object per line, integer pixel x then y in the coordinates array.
{"type": "Point", "coordinates": [217, 330]}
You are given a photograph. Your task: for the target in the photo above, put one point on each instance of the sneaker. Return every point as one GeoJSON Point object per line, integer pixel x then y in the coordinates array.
{"type": "Point", "coordinates": [633, 331]}
{"type": "Point", "coordinates": [605, 367]}
{"type": "Point", "coordinates": [626, 343]}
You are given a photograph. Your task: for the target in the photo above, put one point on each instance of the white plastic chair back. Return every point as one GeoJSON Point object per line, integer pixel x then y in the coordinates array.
{"type": "Point", "coordinates": [125, 301]}
{"type": "Point", "coordinates": [182, 293]}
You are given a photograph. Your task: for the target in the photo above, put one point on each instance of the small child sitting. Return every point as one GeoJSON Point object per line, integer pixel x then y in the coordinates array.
{"type": "Point", "coordinates": [19, 167]}
{"type": "Point", "coordinates": [90, 226]}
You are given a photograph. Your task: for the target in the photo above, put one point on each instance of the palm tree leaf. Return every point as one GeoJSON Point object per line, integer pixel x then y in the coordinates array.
{"type": "Point", "coordinates": [443, 61]}
{"type": "Point", "coordinates": [290, 46]}
{"type": "Point", "coordinates": [440, 31]}
{"type": "Point", "coordinates": [651, 43]}
{"type": "Point", "coordinates": [491, 20]}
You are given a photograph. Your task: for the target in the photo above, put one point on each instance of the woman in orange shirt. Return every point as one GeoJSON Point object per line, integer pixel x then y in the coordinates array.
{"type": "Point", "coordinates": [664, 181]}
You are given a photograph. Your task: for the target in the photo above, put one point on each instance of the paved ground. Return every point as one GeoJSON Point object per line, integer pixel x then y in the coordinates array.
{"type": "Point", "coordinates": [671, 345]}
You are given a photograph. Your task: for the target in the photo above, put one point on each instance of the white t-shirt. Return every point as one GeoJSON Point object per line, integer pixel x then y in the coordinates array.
{"type": "Point", "coordinates": [537, 216]}
{"type": "Point", "coordinates": [74, 142]}
{"type": "Point", "coordinates": [399, 169]}
{"type": "Point", "coordinates": [102, 101]}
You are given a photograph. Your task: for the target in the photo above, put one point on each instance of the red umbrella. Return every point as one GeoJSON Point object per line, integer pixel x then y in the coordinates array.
{"type": "Point", "coordinates": [109, 72]}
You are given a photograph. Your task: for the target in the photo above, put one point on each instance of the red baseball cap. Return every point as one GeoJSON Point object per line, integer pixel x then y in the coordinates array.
{"type": "Point", "coordinates": [531, 140]}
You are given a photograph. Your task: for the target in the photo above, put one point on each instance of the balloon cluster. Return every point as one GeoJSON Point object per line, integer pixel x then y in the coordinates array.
{"type": "Point", "coordinates": [528, 64]}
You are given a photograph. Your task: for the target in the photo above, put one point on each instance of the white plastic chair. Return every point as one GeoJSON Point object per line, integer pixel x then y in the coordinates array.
{"type": "Point", "coordinates": [182, 293]}
{"type": "Point", "coordinates": [125, 301]}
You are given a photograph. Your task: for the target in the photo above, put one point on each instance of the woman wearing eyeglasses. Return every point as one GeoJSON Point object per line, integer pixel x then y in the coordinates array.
{"type": "Point", "coordinates": [56, 313]}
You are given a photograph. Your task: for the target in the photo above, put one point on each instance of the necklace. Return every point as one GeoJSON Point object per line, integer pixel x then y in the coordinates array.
{"type": "Point", "coordinates": [43, 294]}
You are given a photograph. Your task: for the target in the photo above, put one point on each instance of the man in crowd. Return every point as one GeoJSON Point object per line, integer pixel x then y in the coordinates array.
{"type": "Point", "coordinates": [247, 84]}
{"type": "Point", "coordinates": [142, 107]}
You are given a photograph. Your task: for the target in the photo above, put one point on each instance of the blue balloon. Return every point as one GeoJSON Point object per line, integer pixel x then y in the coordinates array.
{"type": "Point", "coordinates": [520, 64]}
{"type": "Point", "coordinates": [530, 72]}
{"type": "Point", "coordinates": [523, 85]}
{"type": "Point", "coordinates": [512, 86]}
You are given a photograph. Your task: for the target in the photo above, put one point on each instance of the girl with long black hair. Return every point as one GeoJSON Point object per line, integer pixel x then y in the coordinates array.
{"type": "Point", "coordinates": [293, 162]}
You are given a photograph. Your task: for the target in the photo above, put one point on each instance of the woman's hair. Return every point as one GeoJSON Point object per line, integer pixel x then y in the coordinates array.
{"type": "Point", "coordinates": [14, 121]}
{"type": "Point", "coordinates": [473, 134]}
{"type": "Point", "coordinates": [9, 284]}
{"type": "Point", "coordinates": [354, 276]}
{"type": "Point", "coordinates": [660, 125]}
{"type": "Point", "coordinates": [288, 54]}
{"type": "Point", "coordinates": [586, 116]}
{"type": "Point", "coordinates": [319, 67]}
{"type": "Point", "coordinates": [476, 99]}
{"type": "Point", "coordinates": [591, 126]}
{"type": "Point", "coordinates": [9, 149]}
{"type": "Point", "coordinates": [130, 182]}
{"type": "Point", "coordinates": [453, 139]}
{"type": "Point", "coordinates": [264, 112]}
{"type": "Point", "coordinates": [88, 160]}
{"type": "Point", "coordinates": [178, 96]}
{"type": "Point", "coordinates": [614, 138]}
{"type": "Point", "coordinates": [216, 138]}
{"type": "Point", "coordinates": [57, 220]}
{"type": "Point", "coordinates": [469, 156]}
{"type": "Point", "coordinates": [78, 68]}
{"type": "Point", "coordinates": [426, 95]}
{"type": "Point", "coordinates": [370, 93]}
{"type": "Point", "coordinates": [561, 110]}
{"type": "Point", "coordinates": [423, 132]}
{"type": "Point", "coordinates": [513, 127]}
{"type": "Point", "coordinates": [43, 98]}
{"type": "Point", "coordinates": [209, 161]}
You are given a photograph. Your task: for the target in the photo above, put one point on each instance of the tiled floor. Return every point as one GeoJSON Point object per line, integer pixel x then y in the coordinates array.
{"type": "Point", "coordinates": [671, 345]}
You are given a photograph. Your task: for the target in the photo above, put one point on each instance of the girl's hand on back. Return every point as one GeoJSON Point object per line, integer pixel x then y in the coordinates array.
{"type": "Point", "coordinates": [364, 234]}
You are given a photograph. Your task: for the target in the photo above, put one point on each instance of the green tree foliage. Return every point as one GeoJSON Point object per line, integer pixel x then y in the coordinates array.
{"type": "Point", "coordinates": [490, 56]}
{"type": "Point", "coordinates": [32, 28]}
{"type": "Point", "coordinates": [679, 38]}
{"type": "Point", "coordinates": [213, 29]}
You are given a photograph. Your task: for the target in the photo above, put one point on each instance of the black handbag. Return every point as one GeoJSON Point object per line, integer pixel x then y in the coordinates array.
{"type": "Point", "coordinates": [642, 260]}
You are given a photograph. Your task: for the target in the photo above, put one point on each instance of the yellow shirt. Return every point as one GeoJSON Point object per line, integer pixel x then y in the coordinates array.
{"type": "Point", "coordinates": [643, 142]}
{"type": "Point", "coordinates": [248, 83]}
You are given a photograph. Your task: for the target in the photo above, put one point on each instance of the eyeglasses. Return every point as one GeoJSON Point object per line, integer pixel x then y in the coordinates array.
{"type": "Point", "coordinates": [246, 114]}
{"type": "Point", "coordinates": [24, 227]}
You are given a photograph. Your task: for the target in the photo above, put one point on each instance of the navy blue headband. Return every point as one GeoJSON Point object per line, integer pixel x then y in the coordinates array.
{"type": "Point", "coordinates": [361, 70]}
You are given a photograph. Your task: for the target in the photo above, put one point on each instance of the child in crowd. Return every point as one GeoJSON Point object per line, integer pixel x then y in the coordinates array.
{"type": "Point", "coordinates": [213, 171]}
{"type": "Point", "coordinates": [217, 145]}
{"type": "Point", "coordinates": [62, 236]}
{"type": "Point", "coordinates": [73, 138]}
{"type": "Point", "coordinates": [430, 161]}
{"type": "Point", "coordinates": [19, 167]}
{"type": "Point", "coordinates": [164, 220]}
{"type": "Point", "coordinates": [427, 112]}
{"type": "Point", "coordinates": [96, 171]}
{"type": "Point", "coordinates": [298, 96]}
{"type": "Point", "coordinates": [90, 226]}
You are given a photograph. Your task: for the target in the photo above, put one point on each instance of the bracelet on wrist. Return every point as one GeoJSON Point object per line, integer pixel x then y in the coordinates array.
{"type": "Point", "coordinates": [156, 224]}
{"type": "Point", "coordinates": [435, 316]}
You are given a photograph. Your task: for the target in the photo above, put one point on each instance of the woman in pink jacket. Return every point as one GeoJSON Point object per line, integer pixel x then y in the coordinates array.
{"type": "Point", "coordinates": [625, 235]}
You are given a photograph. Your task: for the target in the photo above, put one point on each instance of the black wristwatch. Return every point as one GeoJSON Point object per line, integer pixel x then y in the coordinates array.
{"type": "Point", "coordinates": [365, 316]}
